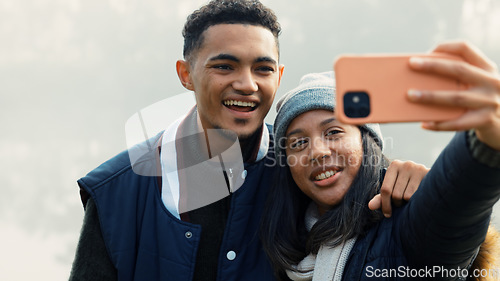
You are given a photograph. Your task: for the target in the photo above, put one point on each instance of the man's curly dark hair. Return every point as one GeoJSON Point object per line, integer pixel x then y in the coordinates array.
{"type": "Point", "coordinates": [250, 12]}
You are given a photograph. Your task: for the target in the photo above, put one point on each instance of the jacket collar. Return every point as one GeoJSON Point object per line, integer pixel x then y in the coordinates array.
{"type": "Point", "coordinates": [259, 151]}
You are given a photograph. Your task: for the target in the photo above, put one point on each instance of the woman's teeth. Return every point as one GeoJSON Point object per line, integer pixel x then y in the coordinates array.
{"type": "Point", "coordinates": [325, 175]}
{"type": "Point", "coordinates": [239, 103]}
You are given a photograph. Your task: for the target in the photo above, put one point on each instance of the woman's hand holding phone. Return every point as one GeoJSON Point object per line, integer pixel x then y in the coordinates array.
{"type": "Point", "coordinates": [481, 100]}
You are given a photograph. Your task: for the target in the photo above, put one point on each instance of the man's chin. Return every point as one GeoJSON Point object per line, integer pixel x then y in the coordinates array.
{"type": "Point", "coordinates": [245, 135]}
{"type": "Point", "coordinates": [244, 130]}
{"type": "Point", "coordinates": [230, 134]}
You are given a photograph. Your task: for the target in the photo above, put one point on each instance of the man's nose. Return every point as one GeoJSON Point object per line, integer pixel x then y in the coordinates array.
{"type": "Point", "coordinates": [245, 82]}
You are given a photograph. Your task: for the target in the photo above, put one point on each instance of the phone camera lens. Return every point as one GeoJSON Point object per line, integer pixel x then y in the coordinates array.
{"type": "Point", "coordinates": [356, 104]}
{"type": "Point", "coordinates": [350, 111]}
{"type": "Point", "coordinates": [364, 111]}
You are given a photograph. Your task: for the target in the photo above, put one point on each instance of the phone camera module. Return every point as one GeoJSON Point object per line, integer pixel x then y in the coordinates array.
{"type": "Point", "coordinates": [356, 104]}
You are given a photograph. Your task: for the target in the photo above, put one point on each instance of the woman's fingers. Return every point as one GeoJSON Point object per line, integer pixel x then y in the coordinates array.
{"type": "Point", "coordinates": [481, 111]}
{"type": "Point", "coordinates": [465, 99]}
{"type": "Point", "coordinates": [469, 52]}
{"type": "Point", "coordinates": [469, 120]}
{"type": "Point", "coordinates": [460, 70]}
{"type": "Point", "coordinates": [481, 100]}
{"type": "Point", "coordinates": [476, 70]}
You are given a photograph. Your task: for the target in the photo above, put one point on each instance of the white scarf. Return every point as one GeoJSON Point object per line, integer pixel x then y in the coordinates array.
{"type": "Point", "coordinates": [329, 264]}
{"type": "Point", "coordinates": [169, 170]}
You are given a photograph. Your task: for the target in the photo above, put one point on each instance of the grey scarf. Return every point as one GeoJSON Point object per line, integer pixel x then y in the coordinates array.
{"type": "Point", "coordinates": [328, 264]}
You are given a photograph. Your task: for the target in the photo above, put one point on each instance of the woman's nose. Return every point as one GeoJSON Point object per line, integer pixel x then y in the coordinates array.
{"type": "Point", "coordinates": [320, 149]}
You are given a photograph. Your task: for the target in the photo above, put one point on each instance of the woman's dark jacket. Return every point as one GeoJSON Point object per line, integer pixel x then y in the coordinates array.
{"type": "Point", "coordinates": [441, 228]}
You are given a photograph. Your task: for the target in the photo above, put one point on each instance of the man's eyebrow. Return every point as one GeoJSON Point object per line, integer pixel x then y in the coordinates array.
{"type": "Point", "coordinates": [224, 57]}
{"type": "Point", "coordinates": [266, 59]}
{"type": "Point", "coordinates": [235, 59]}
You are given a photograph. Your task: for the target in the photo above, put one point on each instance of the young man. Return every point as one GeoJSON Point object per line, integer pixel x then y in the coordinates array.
{"type": "Point", "coordinates": [232, 65]}
{"type": "Point", "coordinates": [135, 228]}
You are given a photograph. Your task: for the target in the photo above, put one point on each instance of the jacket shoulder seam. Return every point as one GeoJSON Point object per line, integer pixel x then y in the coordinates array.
{"type": "Point", "coordinates": [102, 182]}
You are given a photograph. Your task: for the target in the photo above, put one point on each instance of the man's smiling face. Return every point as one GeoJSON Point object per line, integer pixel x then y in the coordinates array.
{"type": "Point", "coordinates": [235, 75]}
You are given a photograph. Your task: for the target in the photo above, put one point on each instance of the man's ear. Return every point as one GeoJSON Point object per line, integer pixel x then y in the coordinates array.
{"type": "Point", "coordinates": [281, 69]}
{"type": "Point", "coordinates": [183, 70]}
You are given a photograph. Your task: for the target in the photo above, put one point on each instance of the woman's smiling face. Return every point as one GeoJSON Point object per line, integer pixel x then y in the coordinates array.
{"type": "Point", "coordinates": [324, 156]}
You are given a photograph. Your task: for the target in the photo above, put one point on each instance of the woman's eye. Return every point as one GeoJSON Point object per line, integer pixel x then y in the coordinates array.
{"type": "Point", "coordinates": [299, 144]}
{"type": "Point", "coordinates": [333, 132]}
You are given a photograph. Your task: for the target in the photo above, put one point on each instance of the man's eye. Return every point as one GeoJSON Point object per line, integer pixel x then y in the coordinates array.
{"type": "Point", "coordinates": [222, 67]}
{"type": "Point", "coordinates": [265, 69]}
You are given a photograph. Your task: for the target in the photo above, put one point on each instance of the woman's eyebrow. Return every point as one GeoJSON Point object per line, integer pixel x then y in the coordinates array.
{"type": "Point", "coordinates": [299, 130]}
{"type": "Point", "coordinates": [329, 120]}
{"type": "Point", "coordinates": [294, 132]}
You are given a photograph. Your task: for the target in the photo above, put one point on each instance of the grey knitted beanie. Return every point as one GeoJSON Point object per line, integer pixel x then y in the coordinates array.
{"type": "Point", "coordinates": [315, 91]}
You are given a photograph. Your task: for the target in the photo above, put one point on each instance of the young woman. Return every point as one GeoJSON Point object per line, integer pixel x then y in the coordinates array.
{"type": "Point", "coordinates": [317, 225]}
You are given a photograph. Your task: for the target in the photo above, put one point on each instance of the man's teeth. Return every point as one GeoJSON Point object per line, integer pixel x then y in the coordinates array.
{"type": "Point", "coordinates": [239, 103]}
{"type": "Point", "coordinates": [325, 175]}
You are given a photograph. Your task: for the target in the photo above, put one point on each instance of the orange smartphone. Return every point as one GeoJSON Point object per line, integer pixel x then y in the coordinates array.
{"type": "Point", "coordinates": [373, 89]}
